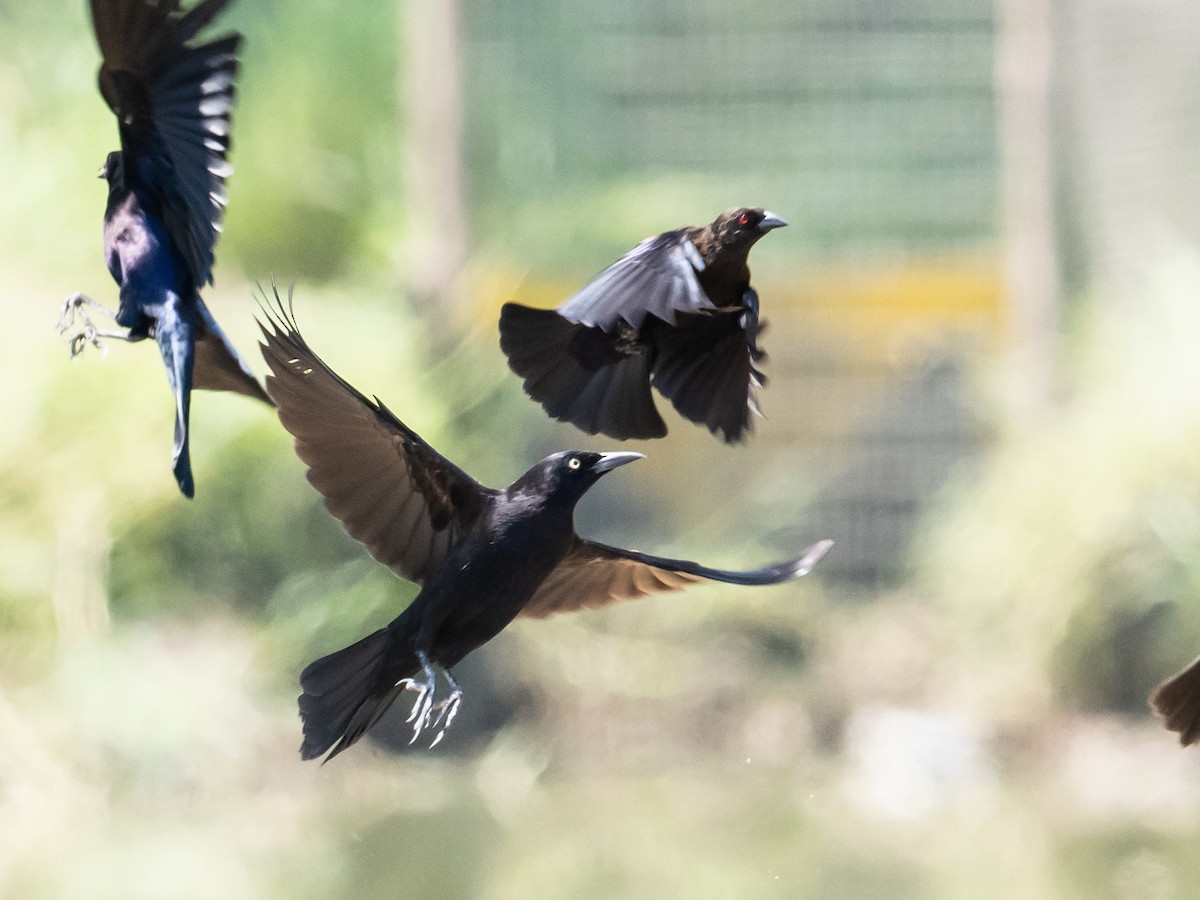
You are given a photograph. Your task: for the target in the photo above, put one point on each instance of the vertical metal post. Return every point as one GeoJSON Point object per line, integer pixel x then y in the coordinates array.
{"type": "Point", "coordinates": [431, 110]}
{"type": "Point", "coordinates": [1024, 85]}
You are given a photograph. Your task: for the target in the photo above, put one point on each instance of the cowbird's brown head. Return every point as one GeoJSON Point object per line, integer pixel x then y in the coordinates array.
{"type": "Point", "coordinates": [742, 227]}
{"type": "Point", "coordinates": [565, 477]}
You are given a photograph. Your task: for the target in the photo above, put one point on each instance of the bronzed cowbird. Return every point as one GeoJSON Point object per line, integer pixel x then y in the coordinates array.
{"type": "Point", "coordinates": [481, 556]}
{"type": "Point", "coordinates": [676, 312]}
{"type": "Point", "coordinates": [166, 194]}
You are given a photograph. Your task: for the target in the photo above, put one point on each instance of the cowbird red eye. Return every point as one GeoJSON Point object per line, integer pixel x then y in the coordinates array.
{"type": "Point", "coordinates": [744, 219]}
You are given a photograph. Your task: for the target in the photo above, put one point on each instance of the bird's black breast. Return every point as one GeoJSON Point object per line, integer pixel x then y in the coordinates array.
{"type": "Point", "coordinates": [724, 283]}
{"type": "Point", "coordinates": [489, 576]}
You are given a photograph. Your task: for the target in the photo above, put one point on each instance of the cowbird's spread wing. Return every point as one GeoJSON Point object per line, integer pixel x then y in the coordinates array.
{"type": "Point", "coordinates": [597, 380]}
{"type": "Point", "coordinates": [658, 276]}
{"type": "Point", "coordinates": [173, 104]}
{"type": "Point", "coordinates": [595, 574]}
{"type": "Point", "coordinates": [393, 492]}
{"type": "Point", "coordinates": [707, 368]}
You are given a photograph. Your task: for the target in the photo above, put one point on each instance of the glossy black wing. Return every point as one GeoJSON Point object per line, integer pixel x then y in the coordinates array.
{"type": "Point", "coordinates": [173, 104]}
{"type": "Point", "coordinates": [706, 366]}
{"type": "Point", "coordinates": [581, 374]}
{"type": "Point", "coordinates": [393, 492]}
{"type": "Point", "coordinates": [595, 575]}
{"type": "Point", "coordinates": [656, 277]}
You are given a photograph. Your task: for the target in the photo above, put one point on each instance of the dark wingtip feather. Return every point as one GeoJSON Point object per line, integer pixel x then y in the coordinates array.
{"type": "Point", "coordinates": [285, 350]}
{"type": "Point", "coordinates": [280, 332]}
{"type": "Point", "coordinates": [811, 557]}
{"type": "Point", "coordinates": [780, 572]}
{"type": "Point", "coordinates": [281, 319]}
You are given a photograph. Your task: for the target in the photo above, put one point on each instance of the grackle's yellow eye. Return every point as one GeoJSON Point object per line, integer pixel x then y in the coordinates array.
{"type": "Point", "coordinates": [574, 463]}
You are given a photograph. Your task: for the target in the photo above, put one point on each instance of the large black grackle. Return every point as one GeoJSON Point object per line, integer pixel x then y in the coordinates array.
{"type": "Point", "coordinates": [676, 312]}
{"type": "Point", "coordinates": [166, 193]}
{"type": "Point", "coordinates": [1177, 700]}
{"type": "Point", "coordinates": [481, 556]}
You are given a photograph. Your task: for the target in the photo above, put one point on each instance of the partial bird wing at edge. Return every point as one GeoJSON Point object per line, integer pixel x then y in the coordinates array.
{"type": "Point", "coordinates": [390, 490]}
{"type": "Point", "coordinates": [595, 575]}
{"type": "Point", "coordinates": [1177, 700]}
{"type": "Point", "coordinates": [656, 277]}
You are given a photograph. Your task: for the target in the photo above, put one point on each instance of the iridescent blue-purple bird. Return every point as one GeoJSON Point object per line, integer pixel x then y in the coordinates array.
{"type": "Point", "coordinates": [166, 193]}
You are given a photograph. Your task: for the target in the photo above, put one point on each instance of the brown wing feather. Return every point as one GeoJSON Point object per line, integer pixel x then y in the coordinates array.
{"type": "Point", "coordinates": [595, 575]}
{"type": "Point", "coordinates": [393, 492]}
{"type": "Point", "coordinates": [586, 580]}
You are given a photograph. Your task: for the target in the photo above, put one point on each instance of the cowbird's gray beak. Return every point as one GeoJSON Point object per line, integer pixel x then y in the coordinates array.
{"type": "Point", "coordinates": [609, 461]}
{"type": "Point", "coordinates": [770, 220]}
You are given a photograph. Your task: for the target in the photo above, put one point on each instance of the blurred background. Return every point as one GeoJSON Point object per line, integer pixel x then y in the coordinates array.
{"type": "Point", "coordinates": [984, 386]}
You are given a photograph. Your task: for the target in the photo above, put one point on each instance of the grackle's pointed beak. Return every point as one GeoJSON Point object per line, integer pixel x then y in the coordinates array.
{"type": "Point", "coordinates": [770, 221]}
{"type": "Point", "coordinates": [609, 461]}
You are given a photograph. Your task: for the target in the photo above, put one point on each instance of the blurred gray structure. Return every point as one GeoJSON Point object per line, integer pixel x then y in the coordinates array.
{"type": "Point", "coordinates": [1129, 125]}
{"type": "Point", "coordinates": [920, 149]}
{"type": "Point", "coordinates": [871, 124]}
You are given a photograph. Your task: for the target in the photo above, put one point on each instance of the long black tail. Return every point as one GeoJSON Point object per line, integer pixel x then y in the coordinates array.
{"type": "Point", "coordinates": [174, 331]}
{"type": "Point", "coordinates": [346, 692]}
{"type": "Point", "coordinates": [1178, 701]}
{"type": "Point", "coordinates": [596, 380]}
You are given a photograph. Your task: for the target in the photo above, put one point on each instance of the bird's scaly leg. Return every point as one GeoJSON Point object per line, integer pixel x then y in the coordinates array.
{"type": "Point", "coordinates": [447, 709]}
{"type": "Point", "coordinates": [87, 333]}
{"type": "Point", "coordinates": [419, 717]}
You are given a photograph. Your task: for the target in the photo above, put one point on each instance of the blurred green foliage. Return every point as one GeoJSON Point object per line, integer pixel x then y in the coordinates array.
{"type": "Point", "coordinates": [317, 141]}
{"type": "Point", "coordinates": [1077, 551]}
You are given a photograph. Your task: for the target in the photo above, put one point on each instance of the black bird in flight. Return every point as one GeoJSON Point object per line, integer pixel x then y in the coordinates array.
{"type": "Point", "coordinates": [1177, 700]}
{"type": "Point", "coordinates": [676, 312]}
{"type": "Point", "coordinates": [481, 556]}
{"type": "Point", "coordinates": [166, 194]}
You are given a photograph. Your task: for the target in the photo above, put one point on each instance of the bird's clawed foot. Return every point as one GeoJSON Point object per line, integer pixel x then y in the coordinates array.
{"type": "Point", "coordinates": [422, 715]}
{"type": "Point", "coordinates": [446, 711]}
{"type": "Point", "coordinates": [86, 331]}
